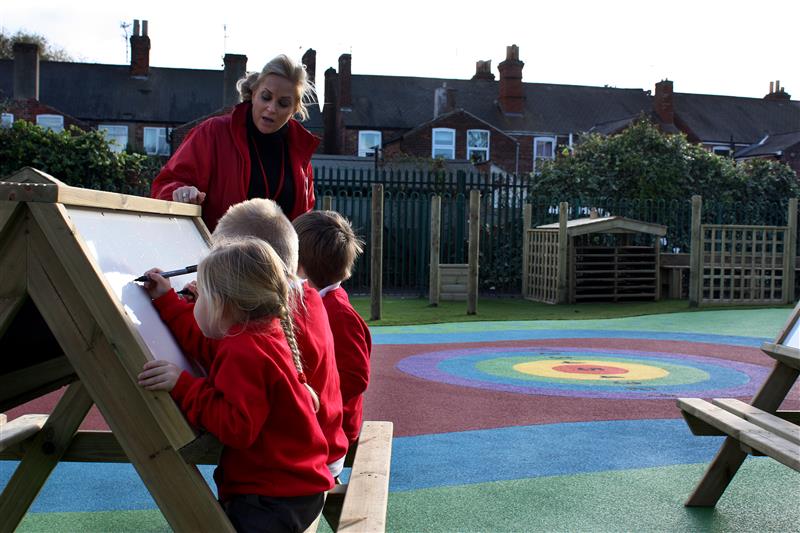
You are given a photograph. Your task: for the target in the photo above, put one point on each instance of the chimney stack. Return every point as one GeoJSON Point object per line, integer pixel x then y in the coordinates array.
{"type": "Point", "coordinates": [310, 61]}
{"type": "Point", "coordinates": [778, 93]}
{"type": "Point", "coordinates": [333, 135]}
{"type": "Point", "coordinates": [444, 100]}
{"type": "Point", "coordinates": [662, 102]}
{"type": "Point", "coordinates": [345, 96]}
{"type": "Point", "coordinates": [235, 69]}
{"type": "Point", "coordinates": [26, 71]}
{"type": "Point", "coordinates": [483, 70]}
{"type": "Point", "coordinates": [140, 51]}
{"type": "Point", "coordinates": [512, 99]}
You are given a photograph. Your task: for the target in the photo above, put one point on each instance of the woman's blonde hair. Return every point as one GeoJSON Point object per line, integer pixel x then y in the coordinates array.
{"type": "Point", "coordinates": [245, 277]}
{"type": "Point", "coordinates": [285, 67]}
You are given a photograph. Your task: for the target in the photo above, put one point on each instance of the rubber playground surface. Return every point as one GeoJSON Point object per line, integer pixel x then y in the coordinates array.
{"type": "Point", "coordinates": [524, 426]}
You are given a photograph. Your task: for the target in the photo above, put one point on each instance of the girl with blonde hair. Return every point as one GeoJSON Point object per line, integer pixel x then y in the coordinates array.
{"type": "Point", "coordinates": [272, 474]}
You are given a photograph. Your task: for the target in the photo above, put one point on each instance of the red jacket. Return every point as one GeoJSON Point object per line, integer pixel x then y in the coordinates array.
{"type": "Point", "coordinates": [254, 403]}
{"type": "Point", "coordinates": [215, 158]}
{"type": "Point", "coordinates": [353, 345]}
{"type": "Point", "coordinates": [319, 361]}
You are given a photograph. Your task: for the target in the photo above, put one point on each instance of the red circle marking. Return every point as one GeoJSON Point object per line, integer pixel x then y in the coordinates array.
{"type": "Point", "coordinates": [589, 369]}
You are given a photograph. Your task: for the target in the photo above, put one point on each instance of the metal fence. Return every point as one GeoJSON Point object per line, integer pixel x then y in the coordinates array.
{"type": "Point", "coordinates": [406, 233]}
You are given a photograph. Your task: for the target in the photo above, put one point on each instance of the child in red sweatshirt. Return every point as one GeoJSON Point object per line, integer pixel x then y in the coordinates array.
{"type": "Point", "coordinates": [273, 473]}
{"type": "Point", "coordinates": [264, 219]}
{"type": "Point", "coordinates": [328, 251]}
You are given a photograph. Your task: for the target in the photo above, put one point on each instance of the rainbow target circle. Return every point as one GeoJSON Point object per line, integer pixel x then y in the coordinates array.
{"type": "Point", "coordinates": [582, 372]}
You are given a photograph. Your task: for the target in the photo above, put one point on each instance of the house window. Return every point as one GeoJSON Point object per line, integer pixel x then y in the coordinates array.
{"type": "Point", "coordinates": [51, 122]}
{"type": "Point", "coordinates": [478, 145]}
{"type": "Point", "coordinates": [117, 136]}
{"type": "Point", "coordinates": [544, 148]}
{"type": "Point", "coordinates": [444, 143]}
{"type": "Point", "coordinates": [155, 141]}
{"type": "Point", "coordinates": [724, 151]}
{"type": "Point", "coordinates": [6, 120]}
{"type": "Point", "coordinates": [367, 142]}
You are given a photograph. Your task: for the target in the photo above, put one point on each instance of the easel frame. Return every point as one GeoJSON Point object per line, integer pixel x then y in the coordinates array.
{"type": "Point", "coordinates": [44, 259]}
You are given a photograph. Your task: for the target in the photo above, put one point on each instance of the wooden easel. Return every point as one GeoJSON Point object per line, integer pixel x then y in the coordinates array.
{"type": "Point", "coordinates": [47, 270]}
{"type": "Point", "coordinates": [757, 428]}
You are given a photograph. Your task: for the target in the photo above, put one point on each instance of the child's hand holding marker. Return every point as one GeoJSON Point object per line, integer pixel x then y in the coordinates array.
{"type": "Point", "coordinates": [156, 282]}
{"type": "Point", "coordinates": [156, 285]}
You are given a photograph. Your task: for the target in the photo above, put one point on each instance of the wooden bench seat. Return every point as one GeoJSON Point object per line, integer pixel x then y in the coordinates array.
{"type": "Point", "coordinates": [763, 432]}
{"type": "Point", "coordinates": [355, 507]}
{"type": "Point", "coordinates": [359, 506]}
{"type": "Point", "coordinates": [19, 429]}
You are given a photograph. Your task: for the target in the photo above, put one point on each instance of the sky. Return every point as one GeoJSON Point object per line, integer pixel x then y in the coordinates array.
{"type": "Point", "coordinates": [729, 47]}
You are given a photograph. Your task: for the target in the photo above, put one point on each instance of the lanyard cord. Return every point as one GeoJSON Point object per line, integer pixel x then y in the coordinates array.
{"type": "Point", "coordinates": [264, 173]}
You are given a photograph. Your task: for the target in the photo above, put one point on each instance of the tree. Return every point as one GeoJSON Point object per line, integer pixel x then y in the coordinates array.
{"type": "Point", "coordinates": [47, 51]}
{"type": "Point", "coordinates": [76, 157]}
{"type": "Point", "coordinates": [644, 163]}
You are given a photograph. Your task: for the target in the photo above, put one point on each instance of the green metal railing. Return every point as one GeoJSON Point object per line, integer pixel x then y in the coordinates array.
{"type": "Point", "coordinates": [407, 199]}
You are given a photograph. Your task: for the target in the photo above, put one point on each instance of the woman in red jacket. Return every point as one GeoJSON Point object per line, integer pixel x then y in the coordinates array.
{"type": "Point", "coordinates": [257, 151]}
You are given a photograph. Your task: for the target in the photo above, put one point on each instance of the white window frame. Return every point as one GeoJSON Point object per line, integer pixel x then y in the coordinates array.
{"type": "Point", "coordinates": [51, 122]}
{"type": "Point", "coordinates": [363, 149]}
{"type": "Point", "coordinates": [6, 120]}
{"type": "Point", "coordinates": [470, 149]}
{"type": "Point", "coordinates": [113, 133]}
{"type": "Point", "coordinates": [441, 146]}
{"type": "Point", "coordinates": [536, 155]}
{"type": "Point", "coordinates": [164, 148]}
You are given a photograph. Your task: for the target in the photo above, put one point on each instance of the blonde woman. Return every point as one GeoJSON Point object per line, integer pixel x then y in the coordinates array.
{"type": "Point", "coordinates": [272, 474]}
{"type": "Point", "coordinates": [257, 151]}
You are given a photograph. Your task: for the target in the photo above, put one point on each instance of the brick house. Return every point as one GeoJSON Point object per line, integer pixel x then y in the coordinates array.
{"type": "Point", "coordinates": [426, 117]}
{"type": "Point", "coordinates": [136, 105]}
{"type": "Point", "coordinates": [784, 147]}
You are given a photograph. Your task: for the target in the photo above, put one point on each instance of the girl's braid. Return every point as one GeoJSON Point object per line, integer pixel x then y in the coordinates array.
{"type": "Point", "coordinates": [288, 330]}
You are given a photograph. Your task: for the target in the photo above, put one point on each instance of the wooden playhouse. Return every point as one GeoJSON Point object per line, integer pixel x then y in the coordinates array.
{"type": "Point", "coordinates": [592, 259]}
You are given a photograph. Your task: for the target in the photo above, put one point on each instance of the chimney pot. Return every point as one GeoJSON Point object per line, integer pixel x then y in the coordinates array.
{"type": "Point", "coordinates": [444, 100]}
{"type": "Point", "coordinates": [140, 52]}
{"type": "Point", "coordinates": [770, 87]}
{"type": "Point", "coordinates": [663, 103]}
{"type": "Point", "coordinates": [26, 71]}
{"type": "Point", "coordinates": [512, 98]}
{"type": "Point", "coordinates": [483, 70]}
{"type": "Point", "coordinates": [235, 69]}
{"type": "Point", "coordinates": [345, 95]}
{"type": "Point", "coordinates": [144, 28]}
{"type": "Point", "coordinates": [310, 61]}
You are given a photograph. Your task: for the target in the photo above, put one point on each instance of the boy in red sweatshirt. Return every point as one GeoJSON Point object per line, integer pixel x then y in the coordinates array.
{"type": "Point", "coordinates": [328, 251]}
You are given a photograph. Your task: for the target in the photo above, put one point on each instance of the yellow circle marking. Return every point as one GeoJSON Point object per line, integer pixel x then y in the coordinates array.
{"type": "Point", "coordinates": [546, 368]}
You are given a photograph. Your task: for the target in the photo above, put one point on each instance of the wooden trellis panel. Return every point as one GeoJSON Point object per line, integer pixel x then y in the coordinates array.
{"type": "Point", "coordinates": [542, 265]}
{"type": "Point", "coordinates": [742, 264]}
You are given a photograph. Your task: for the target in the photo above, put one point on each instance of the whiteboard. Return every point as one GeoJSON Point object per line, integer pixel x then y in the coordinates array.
{"type": "Point", "coordinates": [124, 245]}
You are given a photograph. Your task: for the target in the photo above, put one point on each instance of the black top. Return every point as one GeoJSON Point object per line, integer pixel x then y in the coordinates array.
{"type": "Point", "coordinates": [267, 151]}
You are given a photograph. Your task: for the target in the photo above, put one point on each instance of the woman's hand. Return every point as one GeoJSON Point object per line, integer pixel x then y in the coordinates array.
{"type": "Point", "coordinates": [159, 375]}
{"type": "Point", "coordinates": [157, 286]}
{"type": "Point", "coordinates": [188, 194]}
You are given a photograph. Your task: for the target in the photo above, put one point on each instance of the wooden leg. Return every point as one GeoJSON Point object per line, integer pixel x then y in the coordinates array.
{"type": "Point", "coordinates": [43, 455]}
{"type": "Point", "coordinates": [730, 456]}
{"type": "Point", "coordinates": [718, 475]}
{"type": "Point", "coordinates": [179, 490]}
